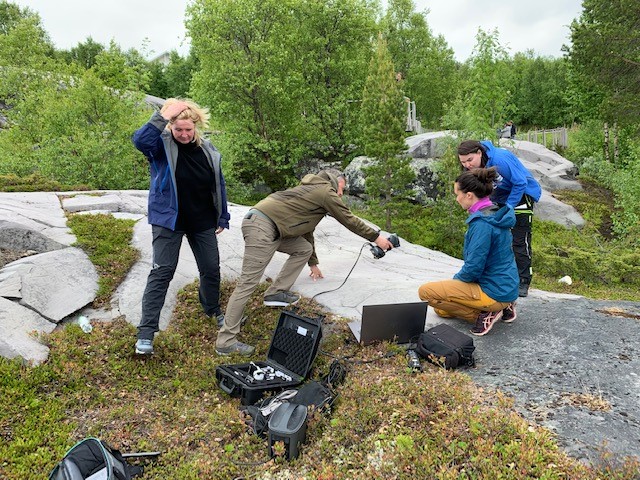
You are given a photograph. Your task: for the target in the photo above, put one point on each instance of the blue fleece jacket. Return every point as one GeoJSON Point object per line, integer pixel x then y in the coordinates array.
{"type": "Point", "coordinates": [488, 254]}
{"type": "Point", "coordinates": [158, 146]}
{"type": "Point", "coordinates": [514, 181]}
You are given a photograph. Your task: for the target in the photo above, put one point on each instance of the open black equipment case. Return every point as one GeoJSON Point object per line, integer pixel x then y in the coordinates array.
{"type": "Point", "coordinates": [293, 348]}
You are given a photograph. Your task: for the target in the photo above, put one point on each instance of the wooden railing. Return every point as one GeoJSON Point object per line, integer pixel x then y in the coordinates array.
{"type": "Point", "coordinates": [412, 123]}
{"type": "Point", "coordinates": [557, 137]}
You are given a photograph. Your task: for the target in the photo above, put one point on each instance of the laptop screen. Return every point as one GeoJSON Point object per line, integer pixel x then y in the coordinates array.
{"type": "Point", "coordinates": [399, 322]}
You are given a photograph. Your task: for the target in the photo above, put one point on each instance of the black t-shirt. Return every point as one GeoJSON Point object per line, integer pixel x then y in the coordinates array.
{"type": "Point", "coordinates": [196, 186]}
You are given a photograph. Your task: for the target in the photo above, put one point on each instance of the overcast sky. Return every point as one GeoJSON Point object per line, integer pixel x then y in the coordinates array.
{"type": "Point", "coordinates": [542, 26]}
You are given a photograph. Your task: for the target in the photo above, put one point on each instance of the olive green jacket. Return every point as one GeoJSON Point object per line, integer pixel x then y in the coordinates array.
{"type": "Point", "coordinates": [297, 211]}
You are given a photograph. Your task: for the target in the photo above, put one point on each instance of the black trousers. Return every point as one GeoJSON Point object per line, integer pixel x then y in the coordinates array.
{"type": "Point", "coordinates": [522, 238]}
{"type": "Point", "coordinates": [166, 250]}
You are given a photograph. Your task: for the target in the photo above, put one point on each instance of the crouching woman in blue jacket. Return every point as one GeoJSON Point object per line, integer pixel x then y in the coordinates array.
{"type": "Point", "coordinates": [486, 287]}
{"type": "Point", "coordinates": [187, 196]}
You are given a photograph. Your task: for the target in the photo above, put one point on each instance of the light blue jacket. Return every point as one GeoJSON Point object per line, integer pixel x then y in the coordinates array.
{"type": "Point", "coordinates": [514, 180]}
{"type": "Point", "coordinates": [157, 144]}
{"type": "Point", "coordinates": [488, 253]}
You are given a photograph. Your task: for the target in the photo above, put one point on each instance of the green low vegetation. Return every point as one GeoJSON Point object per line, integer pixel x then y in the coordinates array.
{"type": "Point", "coordinates": [601, 264]}
{"type": "Point", "coordinates": [107, 242]}
{"type": "Point", "coordinates": [410, 426]}
{"type": "Point", "coordinates": [386, 423]}
{"type": "Point", "coordinates": [35, 182]}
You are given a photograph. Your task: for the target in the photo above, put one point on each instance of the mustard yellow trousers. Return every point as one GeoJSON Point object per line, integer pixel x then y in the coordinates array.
{"type": "Point", "coordinates": [454, 298]}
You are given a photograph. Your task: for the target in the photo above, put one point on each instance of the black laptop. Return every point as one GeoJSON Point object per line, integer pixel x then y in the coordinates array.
{"type": "Point", "coordinates": [397, 322]}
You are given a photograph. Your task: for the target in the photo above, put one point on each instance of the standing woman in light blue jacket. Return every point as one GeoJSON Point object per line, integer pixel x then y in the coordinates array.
{"type": "Point", "coordinates": [515, 186]}
{"type": "Point", "coordinates": [486, 287]}
{"type": "Point", "coordinates": [187, 196]}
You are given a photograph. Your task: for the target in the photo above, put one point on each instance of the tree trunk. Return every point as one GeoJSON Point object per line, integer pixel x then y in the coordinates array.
{"type": "Point", "coordinates": [616, 152]}
{"type": "Point", "coordinates": [387, 225]}
{"type": "Point", "coordinates": [606, 142]}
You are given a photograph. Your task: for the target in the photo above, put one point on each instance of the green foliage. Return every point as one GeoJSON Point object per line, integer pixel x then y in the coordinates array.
{"type": "Point", "coordinates": [174, 79]}
{"type": "Point", "coordinates": [158, 86]}
{"type": "Point", "coordinates": [334, 50]}
{"type": "Point", "coordinates": [251, 81]}
{"type": "Point", "coordinates": [627, 192]}
{"type": "Point", "coordinates": [281, 79]}
{"type": "Point", "coordinates": [177, 75]}
{"type": "Point", "coordinates": [426, 425]}
{"type": "Point", "coordinates": [32, 419]}
{"type": "Point", "coordinates": [604, 55]}
{"type": "Point", "coordinates": [122, 71]}
{"type": "Point", "coordinates": [107, 242]}
{"type": "Point", "coordinates": [539, 91]}
{"type": "Point", "coordinates": [586, 150]}
{"type": "Point", "coordinates": [75, 131]}
{"type": "Point", "coordinates": [425, 61]}
{"type": "Point", "coordinates": [238, 191]}
{"type": "Point", "coordinates": [84, 54]}
{"type": "Point", "coordinates": [599, 268]}
{"type": "Point", "coordinates": [485, 99]}
{"type": "Point", "coordinates": [10, 15]}
{"type": "Point", "coordinates": [585, 143]}
{"type": "Point", "coordinates": [382, 111]}
{"type": "Point", "coordinates": [382, 122]}
{"type": "Point", "coordinates": [23, 41]}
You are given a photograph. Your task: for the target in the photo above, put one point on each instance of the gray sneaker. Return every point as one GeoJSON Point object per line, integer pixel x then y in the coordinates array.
{"type": "Point", "coordinates": [144, 346]}
{"type": "Point", "coordinates": [238, 347]}
{"type": "Point", "coordinates": [281, 299]}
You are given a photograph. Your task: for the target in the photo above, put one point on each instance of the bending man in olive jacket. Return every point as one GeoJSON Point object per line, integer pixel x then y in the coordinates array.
{"type": "Point", "coordinates": [284, 222]}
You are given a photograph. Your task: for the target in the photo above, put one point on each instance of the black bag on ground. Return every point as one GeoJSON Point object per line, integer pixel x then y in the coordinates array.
{"type": "Point", "coordinates": [93, 459]}
{"type": "Point", "coordinates": [315, 395]}
{"type": "Point", "coordinates": [447, 347]}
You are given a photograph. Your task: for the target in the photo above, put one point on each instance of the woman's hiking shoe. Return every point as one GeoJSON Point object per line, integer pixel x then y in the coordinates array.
{"type": "Point", "coordinates": [144, 346]}
{"type": "Point", "coordinates": [238, 347]}
{"type": "Point", "coordinates": [485, 321]}
{"type": "Point", "coordinates": [281, 299]}
{"type": "Point", "coordinates": [509, 314]}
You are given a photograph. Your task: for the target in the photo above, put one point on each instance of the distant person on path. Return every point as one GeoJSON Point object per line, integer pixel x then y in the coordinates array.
{"type": "Point", "coordinates": [515, 186]}
{"type": "Point", "coordinates": [486, 287]}
{"type": "Point", "coordinates": [187, 196]}
{"type": "Point", "coordinates": [285, 222]}
{"type": "Point", "coordinates": [513, 129]}
{"type": "Point", "coordinates": [505, 131]}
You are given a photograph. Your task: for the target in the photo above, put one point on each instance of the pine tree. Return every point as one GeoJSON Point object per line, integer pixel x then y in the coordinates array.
{"type": "Point", "coordinates": [383, 119]}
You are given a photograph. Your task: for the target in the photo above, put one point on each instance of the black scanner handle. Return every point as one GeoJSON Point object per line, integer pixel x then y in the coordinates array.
{"type": "Point", "coordinates": [226, 388]}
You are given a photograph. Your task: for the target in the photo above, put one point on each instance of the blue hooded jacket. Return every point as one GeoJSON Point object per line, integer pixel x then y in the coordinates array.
{"type": "Point", "coordinates": [488, 254]}
{"type": "Point", "coordinates": [514, 180]}
{"type": "Point", "coordinates": [158, 146]}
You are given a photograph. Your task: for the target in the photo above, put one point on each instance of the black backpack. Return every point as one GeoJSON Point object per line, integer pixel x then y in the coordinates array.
{"type": "Point", "coordinates": [445, 346]}
{"type": "Point", "coordinates": [94, 459]}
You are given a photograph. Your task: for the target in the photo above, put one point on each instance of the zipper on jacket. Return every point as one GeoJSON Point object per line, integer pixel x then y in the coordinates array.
{"type": "Point", "coordinates": [298, 224]}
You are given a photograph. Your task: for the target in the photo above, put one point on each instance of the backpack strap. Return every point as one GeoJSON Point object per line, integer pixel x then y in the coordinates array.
{"type": "Point", "coordinates": [121, 469]}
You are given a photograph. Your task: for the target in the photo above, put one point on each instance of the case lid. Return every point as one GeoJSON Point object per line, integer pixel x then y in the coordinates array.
{"type": "Point", "coordinates": [295, 342]}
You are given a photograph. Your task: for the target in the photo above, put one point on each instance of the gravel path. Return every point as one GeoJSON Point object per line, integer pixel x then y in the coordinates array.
{"type": "Point", "coordinates": [573, 366]}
